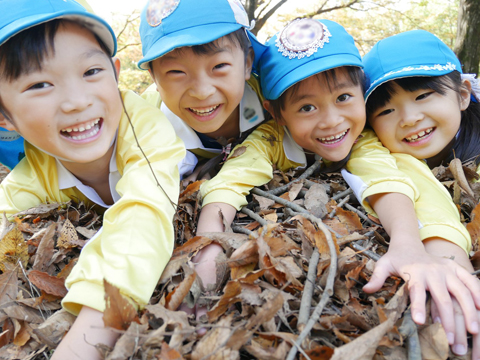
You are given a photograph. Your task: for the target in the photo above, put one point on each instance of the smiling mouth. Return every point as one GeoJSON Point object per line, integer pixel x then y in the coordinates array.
{"type": "Point", "coordinates": [84, 131]}
{"type": "Point", "coordinates": [204, 111]}
{"type": "Point", "coordinates": [419, 136]}
{"type": "Point", "coordinates": [334, 138]}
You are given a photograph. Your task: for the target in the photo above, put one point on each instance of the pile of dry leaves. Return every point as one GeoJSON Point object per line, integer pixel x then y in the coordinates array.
{"type": "Point", "coordinates": [288, 286]}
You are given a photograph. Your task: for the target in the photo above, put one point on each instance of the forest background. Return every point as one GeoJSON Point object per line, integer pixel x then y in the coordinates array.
{"type": "Point", "coordinates": [456, 22]}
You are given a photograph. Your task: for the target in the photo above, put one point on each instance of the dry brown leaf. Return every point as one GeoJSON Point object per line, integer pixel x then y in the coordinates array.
{"type": "Point", "coordinates": [365, 346]}
{"type": "Point", "coordinates": [244, 255]}
{"type": "Point", "coordinates": [45, 249]}
{"type": "Point", "coordinates": [119, 312]}
{"type": "Point", "coordinates": [350, 219]}
{"type": "Point", "coordinates": [167, 353]}
{"type": "Point", "coordinates": [315, 200]}
{"type": "Point", "coordinates": [128, 343]}
{"type": "Point", "coordinates": [263, 202]}
{"type": "Point", "coordinates": [8, 286]}
{"type": "Point", "coordinates": [175, 298]}
{"type": "Point", "coordinates": [50, 284]}
{"type": "Point", "coordinates": [353, 274]}
{"type": "Point", "coordinates": [456, 168]}
{"type": "Point", "coordinates": [230, 296]}
{"type": "Point", "coordinates": [190, 191]}
{"type": "Point", "coordinates": [8, 333]}
{"type": "Point", "coordinates": [239, 150]}
{"type": "Point", "coordinates": [473, 226]}
{"type": "Point", "coordinates": [13, 249]}
{"type": "Point", "coordinates": [52, 330]}
{"type": "Point", "coordinates": [433, 342]}
{"type": "Point", "coordinates": [68, 236]}
{"type": "Point", "coordinates": [23, 334]}
{"type": "Point", "coordinates": [20, 312]}
{"type": "Point", "coordinates": [319, 353]}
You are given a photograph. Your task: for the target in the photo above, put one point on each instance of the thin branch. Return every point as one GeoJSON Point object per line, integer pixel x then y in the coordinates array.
{"type": "Point", "coordinates": [306, 174]}
{"type": "Point", "coordinates": [306, 302]}
{"type": "Point", "coordinates": [370, 254]}
{"type": "Point", "coordinates": [328, 287]}
{"type": "Point", "coordinates": [254, 216]}
{"type": "Point", "coordinates": [360, 214]}
{"type": "Point", "coordinates": [339, 205]}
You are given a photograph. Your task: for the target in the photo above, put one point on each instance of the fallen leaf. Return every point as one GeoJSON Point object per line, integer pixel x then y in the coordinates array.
{"type": "Point", "coordinates": [50, 284]}
{"type": "Point", "coordinates": [433, 342]}
{"type": "Point", "coordinates": [13, 249]}
{"type": "Point", "coordinates": [44, 252]}
{"type": "Point", "coordinates": [119, 312]}
{"type": "Point", "coordinates": [175, 298]}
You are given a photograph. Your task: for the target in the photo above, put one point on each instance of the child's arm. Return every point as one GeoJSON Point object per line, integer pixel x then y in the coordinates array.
{"type": "Point", "coordinates": [87, 331]}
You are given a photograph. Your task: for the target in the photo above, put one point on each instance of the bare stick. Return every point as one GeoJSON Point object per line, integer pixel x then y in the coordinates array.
{"type": "Point", "coordinates": [254, 216]}
{"type": "Point", "coordinates": [408, 329]}
{"type": "Point", "coordinates": [279, 200]}
{"type": "Point", "coordinates": [241, 230]}
{"type": "Point", "coordinates": [360, 214]}
{"type": "Point", "coordinates": [328, 291]}
{"type": "Point", "coordinates": [365, 251]}
{"type": "Point", "coordinates": [306, 174]}
{"type": "Point", "coordinates": [342, 194]}
{"type": "Point", "coordinates": [339, 205]}
{"type": "Point", "coordinates": [306, 303]}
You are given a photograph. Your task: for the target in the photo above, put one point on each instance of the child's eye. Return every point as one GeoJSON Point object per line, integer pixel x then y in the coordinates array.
{"type": "Point", "coordinates": [424, 95]}
{"type": "Point", "coordinates": [174, 72]}
{"type": "Point", "coordinates": [307, 108]}
{"type": "Point", "coordinates": [220, 66]}
{"type": "Point", "coordinates": [41, 85]}
{"type": "Point", "coordinates": [385, 112]}
{"type": "Point", "coordinates": [343, 97]}
{"type": "Point", "coordinates": [92, 72]}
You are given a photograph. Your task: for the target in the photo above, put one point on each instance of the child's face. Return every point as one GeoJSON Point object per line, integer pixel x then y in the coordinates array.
{"type": "Point", "coordinates": [71, 108]}
{"type": "Point", "coordinates": [420, 123]}
{"type": "Point", "coordinates": [326, 122]}
{"type": "Point", "coordinates": [203, 90]}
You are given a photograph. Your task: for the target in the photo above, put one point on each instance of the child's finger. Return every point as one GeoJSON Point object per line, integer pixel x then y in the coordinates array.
{"type": "Point", "coordinates": [444, 309]}
{"type": "Point", "coordinates": [476, 343]}
{"type": "Point", "coordinates": [460, 346]}
{"type": "Point", "coordinates": [418, 297]}
{"type": "Point", "coordinates": [380, 274]}
{"type": "Point", "coordinates": [465, 306]}
{"type": "Point", "coordinates": [472, 283]}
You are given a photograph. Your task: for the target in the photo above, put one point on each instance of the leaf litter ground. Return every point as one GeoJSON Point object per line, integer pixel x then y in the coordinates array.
{"type": "Point", "coordinates": [289, 284]}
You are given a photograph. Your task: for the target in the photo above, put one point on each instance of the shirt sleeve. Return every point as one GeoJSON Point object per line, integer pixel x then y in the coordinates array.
{"type": "Point", "coordinates": [263, 149]}
{"type": "Point", "coordinates": [373, 170]}
{"type": "Point", "coordinates": [137, 237]}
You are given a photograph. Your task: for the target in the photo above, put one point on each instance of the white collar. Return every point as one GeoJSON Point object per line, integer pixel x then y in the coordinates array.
{"type": "Point", "coordinates": [67, 180]}
{"type": "Point", "coordinates": [293, 151]}
{"type": "Point", "coordinates": [251, 114]}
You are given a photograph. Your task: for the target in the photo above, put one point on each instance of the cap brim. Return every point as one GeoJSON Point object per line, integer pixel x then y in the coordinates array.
{"type": "Point", "coordinates": [199, 35]}
{"type": "Point", "coordinates": [401, 74]}
{"type": "Point", "coordinates": [98, 26]}
{"type": "Point", "coordinates": [307, 70]}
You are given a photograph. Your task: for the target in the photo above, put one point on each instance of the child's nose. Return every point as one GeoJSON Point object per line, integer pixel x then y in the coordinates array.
{"type": "Point", "coordinates": [410, 117]}
{"type": "Point", "coordinates": [75, 99]}
{"type": "Point", "coordinates": [330, 120]}
{"type": "Point", "coordinates": [201, 89]}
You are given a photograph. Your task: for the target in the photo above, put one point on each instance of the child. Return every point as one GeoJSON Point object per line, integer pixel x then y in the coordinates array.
{"type": "Point", "coordinates": [58, 90]}
{"type": "Point", "coordinates": [322, 115]}
{"type": "Point", "coordinates": [200, 58]}
{"type": "Point", "coordinates": [419, 104]}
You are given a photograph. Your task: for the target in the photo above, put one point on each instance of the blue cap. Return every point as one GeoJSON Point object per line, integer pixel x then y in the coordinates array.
{"type": "Point", "coordinates": [169, 24]}
{"type": "Point", "coordinates": [303, 48]}
{"type": "Point", "coordinates": [19, 15]}
{"type": "Point", "coordinates": [412, 53]}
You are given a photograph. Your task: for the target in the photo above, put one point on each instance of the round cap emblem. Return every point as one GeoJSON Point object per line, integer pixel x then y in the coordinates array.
{"type": "Point", "coordinates": [158, 10]}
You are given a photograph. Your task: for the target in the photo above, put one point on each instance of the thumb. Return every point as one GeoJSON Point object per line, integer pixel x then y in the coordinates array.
{"type": "Point", "coordinates": [380, 274]}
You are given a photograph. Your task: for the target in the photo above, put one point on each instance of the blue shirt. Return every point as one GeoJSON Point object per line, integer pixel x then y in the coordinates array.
{"type": "Point", "coordinates": [11, 148]}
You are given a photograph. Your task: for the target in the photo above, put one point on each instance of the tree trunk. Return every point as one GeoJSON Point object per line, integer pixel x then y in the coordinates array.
{"type": "Point", "coordinates": [467, 44]}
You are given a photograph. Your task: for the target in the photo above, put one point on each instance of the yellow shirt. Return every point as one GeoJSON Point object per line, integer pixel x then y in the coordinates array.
{"type": "Point", "coordinates": [137, 237]}
{"type": "Point", "coordinates": [375, 171]}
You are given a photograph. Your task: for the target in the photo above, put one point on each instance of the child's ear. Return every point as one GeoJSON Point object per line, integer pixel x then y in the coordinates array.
{"type": "Point", "coordinates": [6, 124]}
{"type": "Point", "coordinates": [249, 63]}
{"type": "Point", "coordinates": [116, 64]}
{"type": "Point", "coordinates": [465, 94]}
{"type": "Point", "coordinates": [268, 106]}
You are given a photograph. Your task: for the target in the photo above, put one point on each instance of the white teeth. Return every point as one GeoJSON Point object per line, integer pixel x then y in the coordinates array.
{"type": "Point", "coordinates": [333, 137]}
{"type": "Point", "coordinates": [204, 111]}
{"type": "Point", "coordinates": [419, 135]}
{"type": "Point", "coordinates": [83, 127]}
{"type": "Point", "coordinates": [90, 134]}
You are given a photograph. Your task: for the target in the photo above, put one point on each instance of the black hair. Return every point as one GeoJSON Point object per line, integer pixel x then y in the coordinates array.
{"type": "Point", "coordinates": [356, 76]}
{"type": "Point", "coordinates": [466, 145]}
{"type": "Point", "coordinates": [238, 37]}
{"type": "Point", "coordinates": [25, 52]}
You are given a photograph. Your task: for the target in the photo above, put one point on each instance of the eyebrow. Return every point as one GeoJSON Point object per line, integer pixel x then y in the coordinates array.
{"type": "Point", "coordinates": [94, 52]}
{"type": "Point", "coordinates": [338, 86]}
{"type": "Point", "coordinates": [171, 56]}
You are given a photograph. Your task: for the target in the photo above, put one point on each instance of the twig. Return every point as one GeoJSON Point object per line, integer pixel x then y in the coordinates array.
{"type": "Point", "coordinates": [281, 201]}
{"type": "Point", "coordinates": [408, 329]}
{"type": "Point", "coordinates": [328, 287]}
{"type": "Point", "coordinates": [476, 272]}
{"type": "Point", "coordinates": [339, 205]}
{"type": "Point", "coordinates": [241, 229]}
{"type": "Point", "coordinates": [360, 214]}
{"type": "Point", "coordinates": [254, 216]}
{"type": "Point", "coordinates": [306, 174]}
{"type": "Point", "coordinates": [365, 251]}
{"type": "Point", "coordinates": [306, 302]}
{"type": "Point", "coordinates": [341, 194]}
